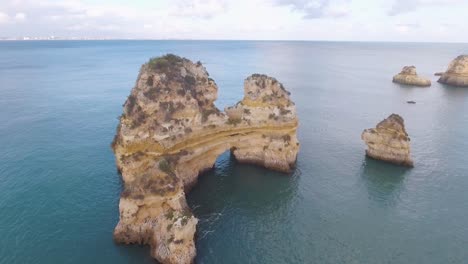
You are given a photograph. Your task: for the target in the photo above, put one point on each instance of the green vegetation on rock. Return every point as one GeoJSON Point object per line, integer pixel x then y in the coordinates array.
{"type": "Point", "coordinates": [164, 62]}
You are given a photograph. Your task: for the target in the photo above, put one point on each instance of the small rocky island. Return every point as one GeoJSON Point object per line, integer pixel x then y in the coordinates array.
{"type": "Point", "coordinates": [457, 72]}
{"type": "Point", "coordinates": [171, 131]}
{"type": "Point", "coordinates": [409, 76]}
{"type": "Point", "coordinates": [389, 141]}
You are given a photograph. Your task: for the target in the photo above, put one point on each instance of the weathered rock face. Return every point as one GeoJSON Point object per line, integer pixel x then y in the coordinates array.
{"type": "Point", "coordinates": [409, 76]}
{"type": "Point", "coordinates": [457, 72]}
{"type": "Point", "coordinates": [170, 131]}
{"type": "Point", "coordinates": [389, 141]}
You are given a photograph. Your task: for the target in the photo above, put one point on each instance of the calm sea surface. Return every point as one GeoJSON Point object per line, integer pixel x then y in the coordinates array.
{"type": "Point", "coordinates": [59, 187]}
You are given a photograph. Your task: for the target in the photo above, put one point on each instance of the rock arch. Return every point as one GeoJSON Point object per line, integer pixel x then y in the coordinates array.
{"type": "Point", "coordinates": [170, 131]}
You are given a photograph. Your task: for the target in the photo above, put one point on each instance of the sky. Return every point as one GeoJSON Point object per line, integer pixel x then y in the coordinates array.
{"type": "Point", "coordinates": [334, 20]}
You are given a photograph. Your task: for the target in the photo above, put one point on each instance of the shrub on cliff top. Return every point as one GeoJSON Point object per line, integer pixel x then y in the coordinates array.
{"type": "Point", "coordinates": [151, 93]}
{"type": "Point", "coordinates": [259, 76]}
{"type": "Point", "coordinates": [131, 102]}
{"type": "Point", "coordinates": [164, 166]}
{"type": "Point", "coordinates": [164, 62]}
{"type": "Point", "coordinates": [233, 121]}
{"type": "Point", "coordinates": [284, 111]}
{"type": "Point", "coordinates": [179, 241]}
{"type": "Point", "coordinates": [150, 81]}
{"type": "Point", "coordinates": [138, 119]}
{"type": "Point", "coordinates": [190, 80]}
{"type": "Point", "coordinates": [170, 214]}
{"type": "Point", "coordinates": [206, 113]}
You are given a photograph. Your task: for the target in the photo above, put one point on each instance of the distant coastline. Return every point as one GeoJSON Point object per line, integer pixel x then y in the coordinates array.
{"type": "Point", "coordinates": [57, 38]}
{"type": "Point", "coordinates": [53, 38]}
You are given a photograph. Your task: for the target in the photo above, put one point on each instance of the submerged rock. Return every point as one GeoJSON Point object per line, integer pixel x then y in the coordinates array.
{"type": "Point", "coordinates": [411, 102]}
{"type": "Point", "coordinates": [170, 131]}
{"type": "Point", "coordinates": [389, 141]}
{"type": "Point", "coordinates": [409, 76]}
{"type": "Point", "coordinates": [438, 73]}
{"type": "Point", "coordinates": [457, 72]}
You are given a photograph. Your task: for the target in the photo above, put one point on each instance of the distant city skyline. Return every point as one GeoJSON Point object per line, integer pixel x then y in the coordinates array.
{"type": "Point", "coordinates": [334, 20]}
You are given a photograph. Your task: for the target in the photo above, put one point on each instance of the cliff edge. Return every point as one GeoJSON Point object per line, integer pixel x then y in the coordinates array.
{"type": "Point", "coordinates": [457, 72]}
{"type": "Point", "coordinates": [171, 131]}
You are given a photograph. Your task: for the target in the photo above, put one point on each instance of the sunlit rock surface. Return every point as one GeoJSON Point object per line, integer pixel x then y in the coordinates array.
{"type": "Point", "coordinates": [457, 72]}
{"type": "Point", "coordinates": [409, 76]}
{"type": "Point", "coordinates": [389, 141]}
{"type": "Point", "coordinates": [171, 131]}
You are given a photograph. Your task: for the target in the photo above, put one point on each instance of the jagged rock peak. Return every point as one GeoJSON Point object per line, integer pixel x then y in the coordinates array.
{"type": "Point", "coordinates": [409, 76]}
{"type": "Point", "coordinates": [394, 122]}
{"type": "Point", "coordinates": [169, 87]}
{"type": "Point", "coordinates": [260, 88]}
{"type": "Point", "coordinates": [457, 72]}
{"type": "Point", "coordinates": [389, 141]}
{"type": "Point", "coordinates": [409, 70]}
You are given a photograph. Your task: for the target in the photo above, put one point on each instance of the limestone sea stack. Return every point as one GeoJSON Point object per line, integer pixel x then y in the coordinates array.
{"type": "Point", "coordinates": [389, 141]}
{"type": "Point", "coordinates": [170, 131]}
{"type": "Point", "coordinates": [457, 72]}
{"type": "Point", "coordinates": [409, 76]}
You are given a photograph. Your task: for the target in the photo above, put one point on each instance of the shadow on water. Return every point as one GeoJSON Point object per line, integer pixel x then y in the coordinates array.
{"type": "Point", "coordinates": [405, 86]}
{"type": "Point", "coordinates": [407, 89]}
{"type": "Point", "coordinates": [384, 181]}
{"type": "Point", "coordinates": [232, 191]}
{"type": "Point", "coordinates": [250, 188]}
{"type": "Point", "coordinates": [236, 201]}
{"type": "Point", "coordinates": [454, 92]}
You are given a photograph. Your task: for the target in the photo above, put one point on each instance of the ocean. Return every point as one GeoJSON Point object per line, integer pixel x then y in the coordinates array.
{"type": "Point", "coordinates": [59, 187]}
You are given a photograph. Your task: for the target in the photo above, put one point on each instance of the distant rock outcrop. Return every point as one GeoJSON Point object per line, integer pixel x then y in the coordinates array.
{"type": "Point", "coordinates": [170, 131]}
{"type": "Point", "coordinates": [409, 76]}
{"type": "Point", "coordinates": [457, 72]}
{"type": "Point", "coordinates": [389, 141]}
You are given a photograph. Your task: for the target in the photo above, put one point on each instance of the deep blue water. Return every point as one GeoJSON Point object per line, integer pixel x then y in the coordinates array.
{"type": "Point", "coordinates": [59, 187]}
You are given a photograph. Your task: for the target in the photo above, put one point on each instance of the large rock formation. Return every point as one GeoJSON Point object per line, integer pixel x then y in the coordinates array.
{"type": "Point", "coordinates": [389, 141]}
{"type": "Point", "coordinates": [409, 76]}
{"type": "Point", "coordinates": [170, 131]}
{"type": "Point", "coordinates": [457, 72]}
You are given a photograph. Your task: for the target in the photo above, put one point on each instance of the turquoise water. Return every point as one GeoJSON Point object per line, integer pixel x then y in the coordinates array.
{"type": "Point", "coordinates": [59, 187]}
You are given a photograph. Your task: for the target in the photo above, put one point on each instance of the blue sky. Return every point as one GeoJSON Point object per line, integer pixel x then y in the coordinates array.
{"type": "Point", "coordinates": [352, 20]}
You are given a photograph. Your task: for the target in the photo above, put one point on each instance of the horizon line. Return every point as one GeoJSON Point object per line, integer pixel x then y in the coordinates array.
{"type": "Point", "coordinates": [250, 40]}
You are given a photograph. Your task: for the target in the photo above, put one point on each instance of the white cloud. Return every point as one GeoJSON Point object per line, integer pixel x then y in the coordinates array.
{"type": "Point", "coordinates": [338, 10]}
{"type": "Point", "coordinates": [20, 17]}
{"type": "Point", "coordinates": [4, 18]}
{"type": "Point", "coordinates": [405, 6]}
{"type": "Point", "coordinates": [236, 19]}
{"type": "Point", "coordinates": [402, 29]}
{"type": "Point", "coordinates": [200, 8]}
{"type": "Point", "coordinates": [406, 27]}
{"type": "Point", "coordinates": [312, 9]}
